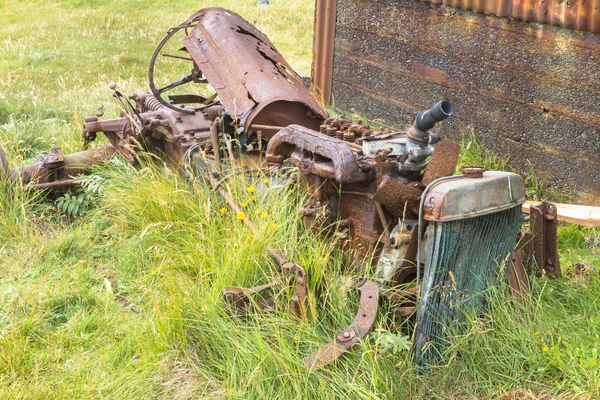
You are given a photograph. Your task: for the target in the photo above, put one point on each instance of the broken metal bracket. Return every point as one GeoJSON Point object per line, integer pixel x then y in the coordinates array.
{"type": "Point", "coordinates": [239, 300]}
{"type": "Point", "coordinates": [518, 279]}
{"type": "Point", "coordinates": [365, 317]}
{"type": "Point", "coordinates": [263, 297]}
{"type": "Point", "coordinates": [540, 241]}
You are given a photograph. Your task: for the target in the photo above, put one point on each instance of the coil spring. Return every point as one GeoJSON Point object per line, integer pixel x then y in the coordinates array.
{"type": "Point", "coordinates": [152, 104]}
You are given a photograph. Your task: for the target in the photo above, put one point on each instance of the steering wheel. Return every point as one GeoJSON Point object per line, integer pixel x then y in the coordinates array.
{"type": "Point", "coordinates": [194, 76]}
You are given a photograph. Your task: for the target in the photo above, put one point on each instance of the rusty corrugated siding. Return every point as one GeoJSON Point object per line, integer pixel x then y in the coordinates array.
{"type": "Point", "coordinates": [529, 91]}
{"type": "Point", "coordinates": [583, 15]}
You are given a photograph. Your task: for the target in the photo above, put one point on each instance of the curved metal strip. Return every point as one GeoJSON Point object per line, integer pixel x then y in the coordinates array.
{"type": "Point", "coordinates": [365, 317]}
{"type": "Point", "coordinates": [284, 142]}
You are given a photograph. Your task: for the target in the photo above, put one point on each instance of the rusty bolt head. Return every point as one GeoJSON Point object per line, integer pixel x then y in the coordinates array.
{"type": "Point", "coordinates": [348, 334]}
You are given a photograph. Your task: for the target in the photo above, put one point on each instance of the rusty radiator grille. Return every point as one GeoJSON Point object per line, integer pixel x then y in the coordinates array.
{"type": "Point", "coordinates": [583, 15]}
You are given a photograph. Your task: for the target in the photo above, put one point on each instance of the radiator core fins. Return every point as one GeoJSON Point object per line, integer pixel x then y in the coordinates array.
{"type": "Point", "coordinates": [466, 257]}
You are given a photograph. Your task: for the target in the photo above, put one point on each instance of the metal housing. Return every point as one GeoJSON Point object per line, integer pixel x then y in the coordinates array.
{"type": "Point", "coordinates": [472, 197]}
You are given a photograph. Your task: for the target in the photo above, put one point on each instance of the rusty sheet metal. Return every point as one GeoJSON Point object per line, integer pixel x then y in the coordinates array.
{"type": "Point", "coordinates": [528, 91]}
{"type": "Point", "coordinates": [245, 69]}
{"type": "Point", "coordinates": [442, 162]}
{"type": "Point", "coordinates": [400, 196]}
{"type": "Point", "coordinates": [583, 15]}
{"type": "Point", "coordinates": [365, 317]}
{"type": "Point", "coordinates": [295, 137]}
{"type": "Point", "coordinates": [323, 49]}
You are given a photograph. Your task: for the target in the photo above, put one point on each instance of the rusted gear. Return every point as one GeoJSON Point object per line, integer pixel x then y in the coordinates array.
{"type": "Point", "coordinates": [365, 317]}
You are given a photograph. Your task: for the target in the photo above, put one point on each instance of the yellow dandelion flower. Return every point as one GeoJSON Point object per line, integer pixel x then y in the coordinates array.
{"type": "Point", "coordinates": [251, 189]}
{"type": "Point", "coordinates": [223, 211]}
{"type": "Point", "coordinates": [257, 212]}
{"type": "Point", "coordinates": [537, 333]}
{"type": "Point", "coordinates": [266, 181]}
{"type": "Point", "coordinates": [551, 347]}
{"type": "Point", "coordinates": [545, 349]}
{"type": "Point", "coordinates": [245, 204]}
{"type": "Point", "coordinates": [252, 198]}
{"type": "Point", "coordinates": [274, 227]}
{"type": "Point", "coordinates": [240, 216]}
{"type": "Point", "coordinates": [264, 215]}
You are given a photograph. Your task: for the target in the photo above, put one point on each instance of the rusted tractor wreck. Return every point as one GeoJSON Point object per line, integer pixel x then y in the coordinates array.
{"type": "Point", "coordinates": [437, 240]}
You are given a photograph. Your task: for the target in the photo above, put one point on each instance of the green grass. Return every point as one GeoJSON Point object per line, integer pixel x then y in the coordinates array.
{"type": "Point", "coordinates": [124, 301]}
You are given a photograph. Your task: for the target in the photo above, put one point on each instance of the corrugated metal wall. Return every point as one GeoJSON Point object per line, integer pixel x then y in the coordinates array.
{"type": "Point", "coordinates": [531, 91]}
{"type": "Point", "coordinates": [573, 14]}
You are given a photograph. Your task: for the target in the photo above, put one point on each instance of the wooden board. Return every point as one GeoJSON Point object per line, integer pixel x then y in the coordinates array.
{"type": "Point", "coordinates": [581, 215]}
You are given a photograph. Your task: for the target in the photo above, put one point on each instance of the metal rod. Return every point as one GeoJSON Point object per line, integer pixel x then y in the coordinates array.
{"type": "Point", "coordinates": [275, 254]}
{"type": "Point", "coordinates": [178, 57]}
{"type": "Point", "coordinates": [258, 127]}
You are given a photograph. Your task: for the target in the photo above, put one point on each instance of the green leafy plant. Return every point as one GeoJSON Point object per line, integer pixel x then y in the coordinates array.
{"type": "Point", "coordinates": [81, 199]}
{"type": "Point", "coordinates": [391, 343]}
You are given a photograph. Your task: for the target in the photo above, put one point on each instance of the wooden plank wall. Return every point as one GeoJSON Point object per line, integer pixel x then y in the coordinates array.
{"type": "Point", "coordinates": [529, 91]}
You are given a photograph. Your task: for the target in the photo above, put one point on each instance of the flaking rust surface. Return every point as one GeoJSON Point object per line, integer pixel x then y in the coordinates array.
{"type": "Point", "coordinates": [529, 91]}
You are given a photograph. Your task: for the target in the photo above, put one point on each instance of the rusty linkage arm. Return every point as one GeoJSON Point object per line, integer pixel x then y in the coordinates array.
{"type": "Point", "coordinates": [240, 299]}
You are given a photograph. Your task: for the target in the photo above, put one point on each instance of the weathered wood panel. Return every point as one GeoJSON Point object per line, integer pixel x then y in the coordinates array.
{"type": "Point", "coordinates": [530, 91]}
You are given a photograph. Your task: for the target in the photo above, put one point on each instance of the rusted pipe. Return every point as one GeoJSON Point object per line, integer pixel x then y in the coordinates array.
{"type": "Point", "coordinates": [258, 127]}
{"type": "Point", "coordinates": [54, 166]}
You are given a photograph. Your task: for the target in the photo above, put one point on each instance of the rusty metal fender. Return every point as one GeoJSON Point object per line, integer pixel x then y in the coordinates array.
{"type": "Point", "coordinates": [295, 137]}
{"type": "Point", "coordinates": [247, 72]}
{"type": "Point", "coordinates": [365, 317]}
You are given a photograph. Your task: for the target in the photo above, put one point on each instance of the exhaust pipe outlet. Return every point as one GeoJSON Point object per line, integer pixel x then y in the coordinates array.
{"type": "Point", "coordinates": [427, 119]}
{"type": "Point", "coordinates": [419, 132]}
